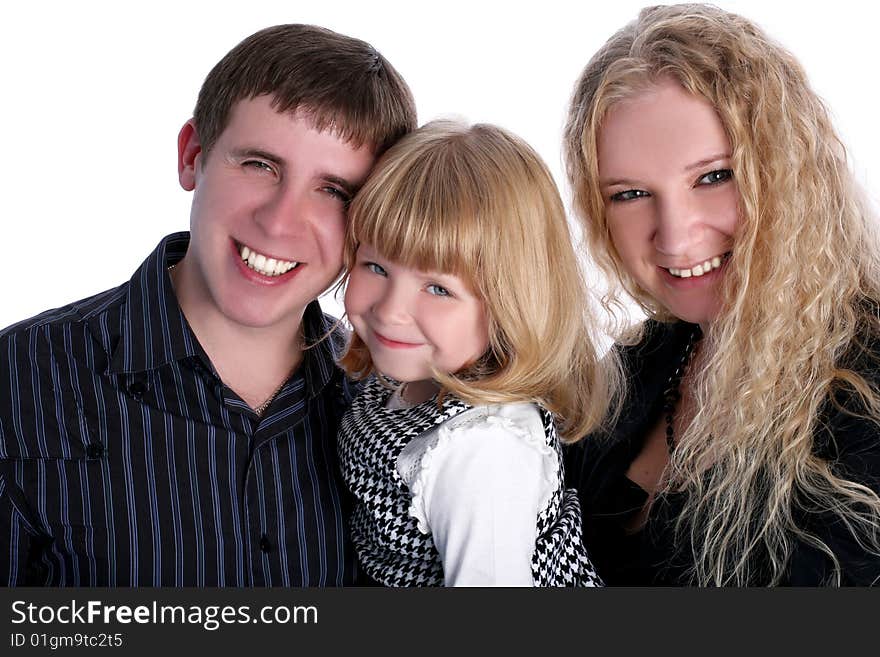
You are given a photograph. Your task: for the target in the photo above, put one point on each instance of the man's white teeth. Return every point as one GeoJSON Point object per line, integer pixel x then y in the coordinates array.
{"type": "Point", "coordinates": [263, 265]}
{"type": "Point", "coordinates": [697, 270]}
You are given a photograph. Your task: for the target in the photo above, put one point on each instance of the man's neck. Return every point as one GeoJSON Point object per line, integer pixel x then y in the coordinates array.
{"type": "Point", "coordinates": [253, 361]}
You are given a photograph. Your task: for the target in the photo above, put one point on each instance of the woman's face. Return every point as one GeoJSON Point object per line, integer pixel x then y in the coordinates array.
{"type": "Point", "coordinates": [671, 201]}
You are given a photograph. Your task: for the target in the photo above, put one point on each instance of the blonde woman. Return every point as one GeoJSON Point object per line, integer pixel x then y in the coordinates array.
{"type": "Point", "coordinates": [716, 194]}
{"type": "Point", "coordinates": [467, 304]}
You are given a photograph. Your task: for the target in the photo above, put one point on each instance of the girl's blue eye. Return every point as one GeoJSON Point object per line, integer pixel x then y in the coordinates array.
{"type": "Point", "coordinates": [376, 269]}
{"type": "Point", "coordinates": [437, 290]}
{"type": "Point", "coordinates": [629, 195]}
{"type": "Point", "coordinates": [715, 177]}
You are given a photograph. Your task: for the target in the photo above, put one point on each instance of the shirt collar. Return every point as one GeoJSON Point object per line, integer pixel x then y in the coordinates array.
{"type": "Point", "coordinates": [327, 339]}
{"type": "Point", "coordinates": [154, 330]}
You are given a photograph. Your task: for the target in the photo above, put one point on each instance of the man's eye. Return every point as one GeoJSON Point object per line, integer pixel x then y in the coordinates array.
{"type": "Point", "coordinates": [629, 195]}
{"type": "Point", "coordinates": [376, 269]}
{"type": "Point", "coordinates": [338, 193]}
{"type": "Point", "coordinates": [438, 290]}
{"type": "Point", "coordinates": [258, 164]}
{"type": "Point", "coordinates": [715, 177]}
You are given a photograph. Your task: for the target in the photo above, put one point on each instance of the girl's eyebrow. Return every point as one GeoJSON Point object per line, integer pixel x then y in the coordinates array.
{"type": "Point", "coordinates": [368, 251]}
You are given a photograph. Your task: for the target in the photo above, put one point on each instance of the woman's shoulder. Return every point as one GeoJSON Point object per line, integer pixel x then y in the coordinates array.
{"type": "Point", "coordinates": [648, 356]}
{"type": "Point", "coordinates": [848, 435]}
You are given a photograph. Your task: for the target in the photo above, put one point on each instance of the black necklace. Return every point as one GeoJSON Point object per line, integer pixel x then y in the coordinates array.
{"type": "Point", "coordinates": [671, 395]}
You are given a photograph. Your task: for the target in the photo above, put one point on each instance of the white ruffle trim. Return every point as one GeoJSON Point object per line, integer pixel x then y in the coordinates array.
{"type": "Point", "coordinates": [446, 436]}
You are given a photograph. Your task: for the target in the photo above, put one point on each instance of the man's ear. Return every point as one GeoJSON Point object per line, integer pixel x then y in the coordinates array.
{"type": "Point", "coordinates": [188, 150]}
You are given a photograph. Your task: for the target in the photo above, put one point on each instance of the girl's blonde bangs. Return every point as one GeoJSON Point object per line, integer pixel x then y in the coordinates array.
{"type": "Point", "coordinates": [426, 210]}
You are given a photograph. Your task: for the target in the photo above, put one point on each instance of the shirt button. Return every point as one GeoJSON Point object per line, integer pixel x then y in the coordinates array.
{"type": "Point", "coordinates": [95, 450]}
{"type": "Point", "coordinates": [265, 544]}
{"type": "Point", "coordinates": [137, 390]}
{"type": "Point", "coordinates": [36, 574]}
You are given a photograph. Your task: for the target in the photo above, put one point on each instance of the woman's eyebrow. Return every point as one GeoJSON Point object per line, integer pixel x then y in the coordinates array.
{"type": "Point", "coordinates": [707, 161]}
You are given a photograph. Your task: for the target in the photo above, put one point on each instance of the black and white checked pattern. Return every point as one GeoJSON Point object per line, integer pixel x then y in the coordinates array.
{"type": "Point", "coordinates": [389, 544]}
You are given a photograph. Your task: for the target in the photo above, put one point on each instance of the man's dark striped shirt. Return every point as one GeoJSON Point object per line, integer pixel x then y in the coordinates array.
{"type": "Point", "coordinates": [125, 461]}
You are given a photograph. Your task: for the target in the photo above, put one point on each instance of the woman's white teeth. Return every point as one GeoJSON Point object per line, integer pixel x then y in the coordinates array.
{"type": "Point", "coordinates": [697, 270]}
{"type": "Point", "coordinates": [266, 266]}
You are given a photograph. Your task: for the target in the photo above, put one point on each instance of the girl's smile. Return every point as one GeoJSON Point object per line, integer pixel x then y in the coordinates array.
{"type": "Point", "coordinates": [395, 344]}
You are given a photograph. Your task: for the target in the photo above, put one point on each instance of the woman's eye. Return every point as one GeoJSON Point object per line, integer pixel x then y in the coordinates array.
{"type": "Point", "coordinates": [629, 195]}
{"type": "Point", "coordinates": [715, 177]}
{"type": "Point", "coordinates": [376, 269]}
{"type": "Point", "coordinates": [438, 290]}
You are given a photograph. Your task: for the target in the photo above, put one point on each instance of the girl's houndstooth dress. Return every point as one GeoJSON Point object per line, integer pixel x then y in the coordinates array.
{"type": "Point", "coordinates": [390, 546]}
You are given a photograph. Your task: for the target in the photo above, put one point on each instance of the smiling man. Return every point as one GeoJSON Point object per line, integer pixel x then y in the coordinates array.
{"type": "Point", "coordinates": [179, 429]}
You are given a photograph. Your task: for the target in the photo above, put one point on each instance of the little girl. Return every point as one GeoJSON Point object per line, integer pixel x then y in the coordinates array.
{"type": "Point", "coordinates": [467, 303]}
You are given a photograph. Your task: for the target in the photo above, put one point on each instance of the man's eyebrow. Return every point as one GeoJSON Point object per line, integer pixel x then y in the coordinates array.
{"type": "Point", "coordinates": [347, 186]}
{"type": "Point", "coordinates": [256, 152]}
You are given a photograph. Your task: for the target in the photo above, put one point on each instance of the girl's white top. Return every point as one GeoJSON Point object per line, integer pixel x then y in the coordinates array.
{"type": "Point", "coordinates": [478, 482]}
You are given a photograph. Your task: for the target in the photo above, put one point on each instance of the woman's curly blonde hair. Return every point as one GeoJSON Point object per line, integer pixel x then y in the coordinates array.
{"type": "Point", "coordinates": [799, 299]}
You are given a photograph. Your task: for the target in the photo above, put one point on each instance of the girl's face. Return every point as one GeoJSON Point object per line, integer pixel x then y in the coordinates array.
{"type": "Point", "coordinates": [671, 202]}
{"type": "Point", "coordinates": [411, 320]}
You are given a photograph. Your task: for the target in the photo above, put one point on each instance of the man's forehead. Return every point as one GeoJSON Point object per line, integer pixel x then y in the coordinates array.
{"type": "Point", "coordinates": [322, 120]}
{"type": "Point", "coordinates": [257, 117]}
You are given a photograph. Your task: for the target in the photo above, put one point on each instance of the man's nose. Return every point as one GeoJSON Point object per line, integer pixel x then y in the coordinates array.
{"type": "Point", "coordinates": [282, 212]}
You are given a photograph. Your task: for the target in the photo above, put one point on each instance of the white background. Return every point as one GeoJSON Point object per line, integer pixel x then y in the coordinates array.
{"type": "Point", "coordinates": [94, 93]}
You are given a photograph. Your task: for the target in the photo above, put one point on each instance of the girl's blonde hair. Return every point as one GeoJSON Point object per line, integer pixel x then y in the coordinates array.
{"type": "Point", "coordinates": [799, 298]}
{"type": "Point", "coordinates": [477, 202]}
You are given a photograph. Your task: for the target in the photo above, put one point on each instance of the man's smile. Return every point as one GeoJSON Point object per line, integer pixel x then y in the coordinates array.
{"type": "Point", "coordinates": [264, 264]}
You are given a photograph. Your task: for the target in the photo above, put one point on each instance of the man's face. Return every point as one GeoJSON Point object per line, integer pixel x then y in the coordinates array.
{"type": "Point", "coordinates": [268, 214]}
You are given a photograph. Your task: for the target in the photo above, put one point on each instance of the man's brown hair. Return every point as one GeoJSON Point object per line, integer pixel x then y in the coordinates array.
{"type": "Point", "coordinates": [341, 83]}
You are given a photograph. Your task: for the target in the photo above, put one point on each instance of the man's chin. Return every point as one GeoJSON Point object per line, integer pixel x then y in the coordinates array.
{"type": "Point", "coordinates": [261, 315]}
